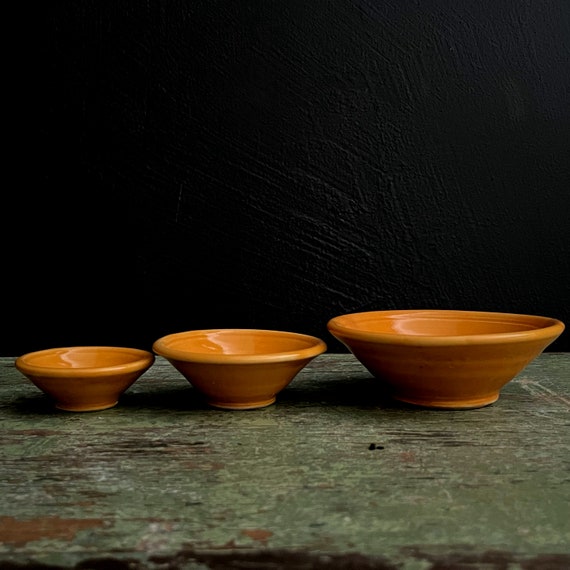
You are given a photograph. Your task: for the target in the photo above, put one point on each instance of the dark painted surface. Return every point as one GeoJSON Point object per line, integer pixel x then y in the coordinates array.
{"type": "Point", "coordinates": [273, 164]}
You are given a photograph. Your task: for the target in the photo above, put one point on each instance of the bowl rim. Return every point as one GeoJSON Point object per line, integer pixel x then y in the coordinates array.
{"type": "Point", "coordinates": [142, 359]}
{"type": "Point", "coordinates": [547, 328]}
{"type": "Point", "coordinates": [316, 347]}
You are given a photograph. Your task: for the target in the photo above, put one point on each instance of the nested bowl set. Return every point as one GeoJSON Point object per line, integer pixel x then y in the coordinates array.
{"type": "Point", "coordinates": [441, 359]}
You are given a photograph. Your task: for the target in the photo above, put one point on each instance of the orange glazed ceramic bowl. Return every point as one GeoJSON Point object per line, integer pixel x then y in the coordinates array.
{"type": "Point", "coordinates": [239, 369]}
{"type": "Point", "coordinates": [85, 378]}
{"type": "Point", "coordinates": [444, 358]}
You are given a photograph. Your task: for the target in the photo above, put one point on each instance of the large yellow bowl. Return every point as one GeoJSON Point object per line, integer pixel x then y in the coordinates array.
{"type": "Point", "coordinates": [444, 358]}
{"type": "Point", "coordinates": [239, 369]}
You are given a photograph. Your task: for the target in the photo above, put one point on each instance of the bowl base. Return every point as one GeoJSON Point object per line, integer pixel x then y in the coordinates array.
{"type": "Point", "coordinates": [85, 408]}
{"type": "Point", "coordinates": [244, 406]}
{"type": "Point", "coordinates": [466, 404]}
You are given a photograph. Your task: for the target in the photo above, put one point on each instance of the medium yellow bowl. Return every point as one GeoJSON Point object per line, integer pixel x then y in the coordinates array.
{"type": "Point", "coordinates": [84, 378]}
{"type": "Point", "coordinates": [444, 358]}
{"type": "Point", "coordinates": [239, 369]}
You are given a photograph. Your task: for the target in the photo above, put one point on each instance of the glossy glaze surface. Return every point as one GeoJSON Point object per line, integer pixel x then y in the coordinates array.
{"type": "Point", "coordinates": [239, 368]}
{"type": "Point", "coordinates": [445, 359]}
{"type": "Point", "coordinates": [84, 378]}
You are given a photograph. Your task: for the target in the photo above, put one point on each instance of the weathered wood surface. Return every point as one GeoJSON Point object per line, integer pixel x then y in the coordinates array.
{"type": "Point", "coordinates": [334, 475]}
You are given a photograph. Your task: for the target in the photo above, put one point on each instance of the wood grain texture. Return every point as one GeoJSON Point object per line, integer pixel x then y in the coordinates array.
{"type": "Point", "coordinates": [334, 475]}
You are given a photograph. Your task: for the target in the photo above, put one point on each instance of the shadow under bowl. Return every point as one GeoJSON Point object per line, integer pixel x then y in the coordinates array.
{"type": "Point", "coordinates": [84, 378]}
{"type": "Point", "coordinates": [445, 358]}
{"type": "Point", "coordinates": [239, 369]}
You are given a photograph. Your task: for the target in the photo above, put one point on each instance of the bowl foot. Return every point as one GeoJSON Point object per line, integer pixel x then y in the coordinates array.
{"type": "Point", "coordinates": [241, 406]}
{"type": "Point", "coordinates": [86, 407]}
{"type": "Point", "coordinates": [459, 404]}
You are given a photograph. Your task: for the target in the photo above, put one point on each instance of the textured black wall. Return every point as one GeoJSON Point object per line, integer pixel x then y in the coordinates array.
{"type": "Point", "coordinates": [275, 163]}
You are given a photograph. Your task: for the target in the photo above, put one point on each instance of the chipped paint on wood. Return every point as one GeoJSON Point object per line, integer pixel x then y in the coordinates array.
{"type": "Point", "coordinates": [20, 532]}
{"type": "Point", "coordinates": [334, 473]}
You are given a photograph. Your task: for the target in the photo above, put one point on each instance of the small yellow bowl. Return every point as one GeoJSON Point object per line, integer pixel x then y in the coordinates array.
{"type": "Point", "coordinates": [444, 358]}
{"type": "Point", "coordinates": [239, 369]}
{"type": "Point", "coordinates": [85, 378]}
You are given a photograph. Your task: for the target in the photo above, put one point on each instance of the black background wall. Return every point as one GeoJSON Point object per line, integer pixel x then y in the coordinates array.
{"type": "Point", "coordinates": [274, 163]}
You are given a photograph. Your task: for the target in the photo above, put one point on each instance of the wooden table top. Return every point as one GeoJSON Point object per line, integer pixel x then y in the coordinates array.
{"type": "Point", "coordinates": [333, 475]}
